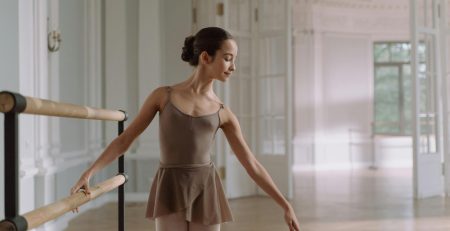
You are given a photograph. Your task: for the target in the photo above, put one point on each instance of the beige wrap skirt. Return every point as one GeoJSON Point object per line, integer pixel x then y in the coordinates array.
{"type": "Point", "coordinates": [195, 189]}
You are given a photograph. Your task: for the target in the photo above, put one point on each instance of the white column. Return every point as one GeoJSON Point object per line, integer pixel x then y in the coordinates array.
{"type": "Point", "coordinates": [121, 72]}
{"type": "Point", "coordinates": [303, 80]}
{"type": "Point", "coordinates": [318, 97]}
{"type": "Point", "coordinates": [53, 82]}
{"type": "Point", "coordinates": [27, 124]}
{"type": "Point", "coordinates": [116, 79]}
{"type": "Point", "coordinates": [150, 54]}
{"type": "Point", "coordinates": [94, 73]}
{"type": "Point", "coordinates": [42, 82]}
{"type": "Point", "coordinates": [44, 185]}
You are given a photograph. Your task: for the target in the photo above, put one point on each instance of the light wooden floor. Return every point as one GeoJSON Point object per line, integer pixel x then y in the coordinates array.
{"type": "Point", "coordinates": [358, 200]}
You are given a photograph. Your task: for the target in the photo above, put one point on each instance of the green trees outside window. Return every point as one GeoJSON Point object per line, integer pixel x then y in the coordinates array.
{"type": "Point", "coordinates": [393, 87]}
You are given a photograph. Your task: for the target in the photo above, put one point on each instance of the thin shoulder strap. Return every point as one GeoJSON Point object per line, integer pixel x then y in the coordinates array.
{"type": "Point", "coordinates": [218, 115]}
{"type": "Point", "coordinates": [169, 90]}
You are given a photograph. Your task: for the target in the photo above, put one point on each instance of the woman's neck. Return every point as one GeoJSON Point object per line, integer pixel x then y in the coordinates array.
{"type": "Point", "coordinates": [199, 82]}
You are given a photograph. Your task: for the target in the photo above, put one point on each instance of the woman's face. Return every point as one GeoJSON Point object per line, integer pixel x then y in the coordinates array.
{"type": "Point", "coordinates": [222, 66]}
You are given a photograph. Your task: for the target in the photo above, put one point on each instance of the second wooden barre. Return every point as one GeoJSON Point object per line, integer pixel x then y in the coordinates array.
{"type": "Point", "coordinates": [54, 210]}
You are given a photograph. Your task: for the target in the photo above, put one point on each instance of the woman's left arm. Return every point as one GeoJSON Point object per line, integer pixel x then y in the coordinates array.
{"type": "Point", "coordinates": [232, 130]}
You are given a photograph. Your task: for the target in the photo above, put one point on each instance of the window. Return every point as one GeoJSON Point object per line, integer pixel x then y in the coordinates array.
{"type": "Point", "coordinates": [393, 87]}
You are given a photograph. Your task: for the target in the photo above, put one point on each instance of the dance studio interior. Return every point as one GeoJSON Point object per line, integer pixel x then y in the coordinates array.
{"type": "Point", "coordinates": [344, 102]}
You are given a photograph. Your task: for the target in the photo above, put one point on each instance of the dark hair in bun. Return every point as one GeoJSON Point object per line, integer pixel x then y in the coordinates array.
{"type": "Point", "coordinates": [208, 39]}
{"type": "Point", "coordinates": [188, 49]}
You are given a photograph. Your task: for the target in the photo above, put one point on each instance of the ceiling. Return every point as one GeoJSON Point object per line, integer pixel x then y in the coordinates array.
{"type": "Point", "coordinates": [369, 4]}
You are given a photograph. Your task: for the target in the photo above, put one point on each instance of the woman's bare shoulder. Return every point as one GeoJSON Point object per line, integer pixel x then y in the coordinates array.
{"type": "Point", "coordinates": [227, 116]}
{"type": "Point", "coordinates": [157, 97]}
{"type": "Point", "coordinates": [160, 93]}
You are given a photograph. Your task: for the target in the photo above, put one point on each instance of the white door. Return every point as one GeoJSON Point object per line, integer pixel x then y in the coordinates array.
{"type": "Point", "coordinates": [241, 93]}
{"type": "Point", "coordinates": [427, 98]}
{"type": "Point", "coordinates": [273, 57]}
{"type": "Point", "coordinates": [445, 43]}
{"type": "Point", "coordinates": [260, 92]}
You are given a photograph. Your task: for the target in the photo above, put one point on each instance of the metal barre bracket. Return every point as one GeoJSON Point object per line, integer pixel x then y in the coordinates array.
{"type": "Point", "coordinates": [17, 223]}
{"type": "Point", "coordinates": [11, 102]}
{"type": "Point", "coordinates": [124, 174]}
{"type": "Point", "coordinates": [125, 116]}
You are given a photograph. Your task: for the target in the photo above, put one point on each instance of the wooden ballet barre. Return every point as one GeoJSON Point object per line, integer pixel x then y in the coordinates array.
{"type": "Point", "coordinates": [49, 212]}
{"type": "Point", "coordinates": [7, 226]}
{"type": "Point", "coordinates": [10, 101]}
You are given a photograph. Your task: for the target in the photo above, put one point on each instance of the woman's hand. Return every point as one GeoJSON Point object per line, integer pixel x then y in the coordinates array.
{"type": "Point", "coordinates": [82, 184]}
{"type": "Point", "coordinates": [291, 219]}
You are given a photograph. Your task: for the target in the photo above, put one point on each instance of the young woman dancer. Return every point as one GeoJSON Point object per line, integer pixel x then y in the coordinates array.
{"type": "Point", "coordinates": [186, 193]}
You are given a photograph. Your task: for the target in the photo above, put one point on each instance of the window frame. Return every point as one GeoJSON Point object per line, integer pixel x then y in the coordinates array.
{"type": "Point", "coordinates": [401, 95]}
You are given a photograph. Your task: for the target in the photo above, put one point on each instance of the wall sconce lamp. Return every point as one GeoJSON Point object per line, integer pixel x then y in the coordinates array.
{"type": "Point", "coordinates": [54, 41]}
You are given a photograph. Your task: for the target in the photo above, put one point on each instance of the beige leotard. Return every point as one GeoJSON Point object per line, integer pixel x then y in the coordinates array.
{"type": "Point", "coordinates": [186, 179]}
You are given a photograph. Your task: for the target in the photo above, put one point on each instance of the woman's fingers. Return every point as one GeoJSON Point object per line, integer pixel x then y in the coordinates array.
{"type": "Point", "coordinates": [291, 220]}
{"type": "Point", "coordinates": [292, 226]}
{"type": "Point", "coordinates": [87, 190]}
{"type": "Point", "coordinates": [84, 187]}
{"type": "Point", "coordinates": [74, 190]}
{"type": "Point", "coordinates": [295, 224]}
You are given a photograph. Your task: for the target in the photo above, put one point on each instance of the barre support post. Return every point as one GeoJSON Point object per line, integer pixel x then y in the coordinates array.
{"type": "Point", "coordinates": [16, 104]}
{"type": "Point", "coordinates": [121, 194]}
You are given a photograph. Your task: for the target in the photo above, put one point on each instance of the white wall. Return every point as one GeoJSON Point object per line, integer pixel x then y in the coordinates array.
{"type": "Point", "coordinates": [150, 69]}
{"type": "Point", "coordinates": [72, 76]}
{"type": "Point", "coordinates": [121, 68]}
{"type": "Point", "coordinates": [9, 48]}
{"type": "Point", "coordinates": [9, 70]}
{"type": "Point", "coordinates": [333, 69]}
{"type": "Point", "coordinates": [133, 67]}
{"type": "Point", "coordinates": [143, 161]}
{"type": "Point", "coordinates": [177, 24]}
{"type": "Point", "coordinates": [346, 97]}
{"type": "Point", "coordinates": [303, 63]}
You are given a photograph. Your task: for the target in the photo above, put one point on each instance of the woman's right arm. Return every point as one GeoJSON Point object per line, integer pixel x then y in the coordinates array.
{"type": "Point", "coordinates": [121, 143]}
